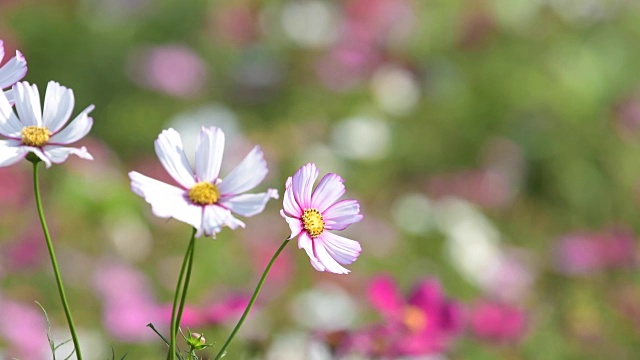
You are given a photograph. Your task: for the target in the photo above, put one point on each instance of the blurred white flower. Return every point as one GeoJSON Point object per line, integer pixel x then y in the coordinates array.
{"type": "Point", "coordinates": [362, 138]}
{"type": "Point", "coordinates": [395, 89]}
{"type": "Point", "coordinates": [326, 307]}
{"type": "Point", "coordinates": [310, 23]}
{"type": "Point", "coordinates": [413, 213]}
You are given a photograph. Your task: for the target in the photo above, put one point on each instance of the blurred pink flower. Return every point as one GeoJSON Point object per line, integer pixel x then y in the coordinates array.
{"type": "Point", "coordinates": [584, 253]}
{"type": "Point", "coordinates": [214, 312]}
{"type": "Point", "coordinates": [425, 322]}
{"type": "Point", "coordinates": [128, 302]}
{"type": "Point", "coordinates": [486, 188]}
{"type": "Point", "coordinates": [497, 322]}
{"type": "Point", "coordinates": [311, 213]}
{"type": "Point", "coordinates": [236, 25]}
{"type": "Point", "coordinates": [172, 69]}
{"type": "Point", "coordinates": [24, 329]}
{"type": "Point", "coordinates": [14, 188]}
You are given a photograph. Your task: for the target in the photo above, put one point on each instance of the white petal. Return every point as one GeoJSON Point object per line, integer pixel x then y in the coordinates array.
{"type": "Point", "coordinates": [249, 204]}
{"type": "Point", "coordinates": [58, 104]}
{"type": "Point", "coordinates": [247, 175]}
{"type": "Point", "coordinates": [75, 131]}
{"type": "Point", "coordinates": [289, 202]}
{"type": "Point", "coordinates": [171, 154]}
{"type": "Point", "coordinates": [58, 154]}
{"type": "Point", "coordinates": [302, 184]}
{"type": "Point", "coordinates": [214, 219]}
{"type": "Point", "coordinates": [325, 258]}
{"type": "Point", "coordinates": [1, 50]}
{"type": "Point", "coordinates": [209, 153]}
{"type": "Point", "coordinates": [167, 201]}
{"type": "Point", "coordinates": [343, 250]}
{"type": "Point", "coordinates": [294, 224]}
{"type": "Point", "coordinates": [13, 71]}
{"type": "Point", "coordinates": [10, 155]}
{"type": "Point", "coordinates": [28, 104]}
{"type": "Point", "coordinates": [306, 243]}
{"type": "Point", "coordinates": [10, 94]}
{"type": "Point", "coordinates": [342, 214]}
{"type": "Point", "coordinates": [39, 153]}
{"type": "Point", "coordinates": [329, 190]}
{"type": "Point", "coordinates": [10, 126]}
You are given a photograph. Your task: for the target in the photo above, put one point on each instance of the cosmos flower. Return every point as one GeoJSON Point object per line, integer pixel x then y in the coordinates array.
{"type": "Point", "coordinates": [202, 199]}
{"type": "Point", "coordinates": [42, 133]}
{"type": "Point", "coordinates": [311, 213]}
{"type": "Point", "coordinates": [426, 322]}
{"type": "Point", "coordinates": [13, 71]}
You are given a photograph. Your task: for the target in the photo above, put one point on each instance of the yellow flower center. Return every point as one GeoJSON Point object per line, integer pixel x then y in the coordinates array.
{"type": "Point", "coordinates": [204, 193]}
{"type": "Point", "coordinates": [414, 318]}
{"type": "Point", "coordinates": [35, 135]}
{"type": "Point", "coordinates": [313, 222]}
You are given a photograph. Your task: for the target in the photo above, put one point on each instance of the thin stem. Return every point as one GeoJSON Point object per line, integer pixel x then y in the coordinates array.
{"type": "Point", "coordinates": [54, 262]}
{"type": "Point", "coordinates": [186, 283]}
{"type": "Point", "coordinates": [253, 300]}
{"type": "Point", "coordinates": [175, 321]}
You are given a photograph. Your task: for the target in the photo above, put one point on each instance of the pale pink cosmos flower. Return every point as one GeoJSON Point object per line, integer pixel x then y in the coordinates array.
{"type": "Point", "coordinates": [42, 133]}
{"type": "Point", "coordinates": [13, 71]}
{"type": "Point", "coordinates": [202, 199]}
{"type": "Point", "coordinates": [311, 213]}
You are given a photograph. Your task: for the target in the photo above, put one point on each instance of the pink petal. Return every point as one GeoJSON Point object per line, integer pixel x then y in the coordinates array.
{"type": "Point", "coordinates": [294, 224]}
{"type": "Point", "coordinates": [306, 243]}
{"type": "Point", "coordinates": [324, 257]}
{"type": "Point", "coordinates": [13, 71]}
{"type": "Point", "coordinates": [328, 191]}
{"type": "Point", "coordinates": [342, 214]}
{"type": "Point", "coordinates": [302, 184]}
{"type": "Point", "coordinates": [289, 202]}
{"type": "Point", "coordinates": [384, 296]}
{"type": "Point", "coordinates": [75, 131]}
{"type": "Point", "coordinates": [10, 126]}
{"type": "Point", "coordinates": [344, 251]}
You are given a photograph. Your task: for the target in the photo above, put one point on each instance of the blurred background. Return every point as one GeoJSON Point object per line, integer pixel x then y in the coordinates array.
{"type": "Point", "coordinates": [493, 146]}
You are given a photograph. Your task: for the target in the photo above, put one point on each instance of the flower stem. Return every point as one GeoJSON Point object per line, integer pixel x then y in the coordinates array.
{"type": "Point", "coordinates": [54, 262]}
{"type": "Point", "coordinates": [187, 263]}
{"type": "Point", "coordinates": [224, 347]}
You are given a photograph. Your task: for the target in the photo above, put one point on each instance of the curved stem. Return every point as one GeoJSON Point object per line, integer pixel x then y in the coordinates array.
{"type": "Point", "coordinates": [175, 320]}
{"type": "Point", "coordinates": [54, 262]}
{"type": "Point", "coordinates": [253, 300]}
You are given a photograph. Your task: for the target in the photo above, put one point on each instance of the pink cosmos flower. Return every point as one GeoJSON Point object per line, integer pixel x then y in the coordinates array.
{"type": "Point", "coordinates": [42, 133]}
{"type": "Point", "coordinates": [202, 199]}
{"type": "Point", "coordinates": [425, 323]}
{"type": "Point", "coordinates": [13, 71]}
{"type": "Point", "coordinates": [497, 322]}
{"type": "Point", "coordinates": [311, 213]}
{"type": "Point", "coordinates": [583, 253]}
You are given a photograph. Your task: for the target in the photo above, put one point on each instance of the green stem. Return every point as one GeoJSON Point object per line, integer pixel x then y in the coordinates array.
{"type": "Point", "coordinates": [54, 262]}
{"type": "Point", "coordinates": [175, 320]}
{"type": "Point", "coordinates": [253, 300]}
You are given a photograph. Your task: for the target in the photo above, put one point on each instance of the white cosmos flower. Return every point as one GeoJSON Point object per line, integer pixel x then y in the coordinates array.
{"type": "Point", "coordinates": [202, 199]}
{"type": "Point", "coordinates": [42, 133]}
{"type": "Point", "coordinates": [11, 72]}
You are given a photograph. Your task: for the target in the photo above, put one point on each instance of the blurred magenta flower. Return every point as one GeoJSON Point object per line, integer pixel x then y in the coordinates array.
{"type": "Point", "coordinates": [42, 133]}
{"type": "Point", "coordinates": [172, 69]}
{"type": "Point", "coordinates": [311, 212]}
{"type": "Point", "coordinates": [203, 200]}
{"type": "Point", "coordinates": [13, 70]}
{"type": "Point", "coordinates": [497, 322]}
{"type": "Point", "coordinates": [583, 253]}
{"type": "Point", "coordinates": [425, 322]}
